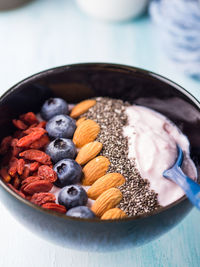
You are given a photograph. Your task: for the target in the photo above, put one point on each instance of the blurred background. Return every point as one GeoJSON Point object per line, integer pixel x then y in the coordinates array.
{"type": "Point", "coordinates": [162, 36]}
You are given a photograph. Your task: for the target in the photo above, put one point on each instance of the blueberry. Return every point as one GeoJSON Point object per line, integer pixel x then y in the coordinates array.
{"type": "Point", "coordinates": [81, 212]}
{"type": "Point", "coordinates": [54, 106]}
{"type": "Point", "coordinates": [72, 196]}
{"type": "Point", "coordinates": [61, 126]}
{"type": "Point", "coordinates": [68, 172]}
{"type": "Point", "coordinates": [61, 148]}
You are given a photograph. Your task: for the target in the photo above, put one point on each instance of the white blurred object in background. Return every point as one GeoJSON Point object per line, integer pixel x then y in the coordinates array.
{"type": "Point", "coordinates": [113, 10]}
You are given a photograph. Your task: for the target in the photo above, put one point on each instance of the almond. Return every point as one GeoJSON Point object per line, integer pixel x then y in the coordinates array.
{"type": "Point", "coordinates": [82, 107]}
{"type": "Point", "coordinates": [88, 152]}
{"type": "Point", "coordinates": [114, 214]}
{"type": "Point", "coordinates": [86, 132]}
{"type": "Point", "coordinates": [107, 200]}
{"type": "Point", "coordinates": [95, 169]}
{"type": "Point", "coordinates": [104, 183]}
{"type": "Point", "coordinates": [79, 121]}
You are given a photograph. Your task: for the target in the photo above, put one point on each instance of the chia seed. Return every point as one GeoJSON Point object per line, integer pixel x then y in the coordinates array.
{"type": "Point", "coordinates": [110, 114]}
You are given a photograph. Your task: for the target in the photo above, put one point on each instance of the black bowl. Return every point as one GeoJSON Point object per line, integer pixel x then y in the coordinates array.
{"type": "Point", "coordinates": [78, 82]}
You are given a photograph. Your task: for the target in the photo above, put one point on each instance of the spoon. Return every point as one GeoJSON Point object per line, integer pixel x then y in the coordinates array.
{"type": "Point", "coordinates": [190, 187]}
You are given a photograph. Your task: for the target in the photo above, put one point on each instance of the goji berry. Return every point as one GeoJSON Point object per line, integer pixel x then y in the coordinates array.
{"type": "Point", "coordinates": [16, 181]}
{"type": "Point", "coordinates": [42, 124]}
{"type": "Point", "coordinates": [13, 166]}
{"type": "Point", "coordinates": [36, 155]}
{"type": "Point", "coordinates": [19, 124]}
{"type": "Point", "coordinates": [47, 173]}
{"type": "Point", "coordinates": [14, 142]}
{"type": "Point", "coordinates": [33, 125]}
{"type": "Point", "coordinates": [38, 186]}
{"type": "Point", "coordinates": [25, 173]}
{"type": "Point", "coordinates": [5, 144]}
{"type": "Point", "coordinates": [20, 166]}
{"type": "Point", "coordinates": [4, 174]}
{"type": "Point", "coordinates": [29, 117]}
{"type": "Point", "coordinates": [54, 207]}
{"type": "Point", "coordinates": [16, 191]}
{"type": "Point", "coordinates": [30, 138]}
{"type": "Point", "coordinates": [42, 198]}
{"type": "Point", "coordinates": [35, 129]}
{"type": "Point", "coordinates": [29, 180]}
{"type": "Point", "coordinates": [28, 198]}
{"type": "Point", "coordinates": [34, 166]}
{"type": "Point", "coordinates": [40, 143]}
{"type": "Point", "coordinates": [15, 149]}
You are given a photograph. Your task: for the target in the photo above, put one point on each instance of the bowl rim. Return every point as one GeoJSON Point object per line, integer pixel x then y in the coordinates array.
{"type": "Point", "coordinates": [116, 67]}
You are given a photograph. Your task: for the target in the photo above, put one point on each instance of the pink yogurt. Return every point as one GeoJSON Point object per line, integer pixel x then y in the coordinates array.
{"type": "Point", "coordinates": [152, 140]}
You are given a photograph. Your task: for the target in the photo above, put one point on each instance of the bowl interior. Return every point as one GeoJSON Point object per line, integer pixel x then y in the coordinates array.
{"type": "Point", "coordinates": [77, 82]}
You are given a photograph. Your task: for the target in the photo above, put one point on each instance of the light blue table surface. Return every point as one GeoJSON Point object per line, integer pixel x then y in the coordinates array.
{"type": "Point", "coordinates": [48, 33]}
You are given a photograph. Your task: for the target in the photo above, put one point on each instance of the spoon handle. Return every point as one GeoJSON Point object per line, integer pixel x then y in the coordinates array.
{"type": "Point", "coordinates": [190, 187]}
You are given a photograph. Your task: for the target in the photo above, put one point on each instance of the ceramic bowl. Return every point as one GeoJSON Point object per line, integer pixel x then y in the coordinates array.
{"type": "Point", "coordinates": [75, 83]}
{"type": "Point", "coordinates": [113, 10]}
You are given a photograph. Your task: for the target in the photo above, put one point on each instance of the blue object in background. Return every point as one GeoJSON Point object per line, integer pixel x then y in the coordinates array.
{"type": "Point", "coordinates": [178, 23]}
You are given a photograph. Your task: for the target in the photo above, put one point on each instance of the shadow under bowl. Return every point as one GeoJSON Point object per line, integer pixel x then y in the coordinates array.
{"type": "Point", "coordinates": [75, 83]}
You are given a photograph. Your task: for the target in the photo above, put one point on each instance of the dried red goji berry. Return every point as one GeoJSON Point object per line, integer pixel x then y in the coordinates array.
{"type": "Point", "coordinates": [38, 186]}
{"type": "Point", "coordinates": [34, 166]}
{"type": "Point", "coordinates": [15, 149]}
{"type": "Point", "coordinates": [16, 181]}
{"type": "Point", "coordinates": [5, 144]}
{"type": "Point", "coordinates": [28, 198]}
{"type": "Point", "coordinates": [36, 155]}
{"type": "Point", "coordinates": [35, 129]}
{"type": "Point", "coordinates": [29, 117]}
{"type": "Point", "coordinates": [47, 173]}
{"type": "Point", "coordinates": [54, 207]}
{"type": "Point", "coordinates": [4, 174]}
{"type": "Point", "coordinates": [40, 143]}
{"type": "Point", "coordinates": [42, 124]}
{"type": "Point", "coordinates": [42, 198]}
{"type": "Point", "coordinates": [30, 179]}
{"type": "Point", "coordinates": [25, 173]}
{"type": "Point", "coordinates": [19, 124]}
{"type": "Point", "coordinates": [13, 166]}
{"type": "Point", "coordinates": [20, 166]}
{"type": "Point", "coordinates": [30, 138]}
{"type": "Point", "coordinates": [16, 191]}
{"type": "Point", "coordinates": [34, 125]}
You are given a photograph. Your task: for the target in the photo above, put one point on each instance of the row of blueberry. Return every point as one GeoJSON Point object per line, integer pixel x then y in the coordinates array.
{"type": "Point", "coordinates": [61, 149]}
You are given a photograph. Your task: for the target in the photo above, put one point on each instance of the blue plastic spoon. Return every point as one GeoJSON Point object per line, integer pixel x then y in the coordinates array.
{"type": "Point", "coordinates": [191, 188]}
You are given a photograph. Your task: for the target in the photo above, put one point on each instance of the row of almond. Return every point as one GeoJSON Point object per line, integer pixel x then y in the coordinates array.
{"type": "Point", "coordinates": [102, 186]}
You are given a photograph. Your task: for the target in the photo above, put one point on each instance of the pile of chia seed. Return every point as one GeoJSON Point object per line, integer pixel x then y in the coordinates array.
{"type": "Point", "coordinates": [110, 114]}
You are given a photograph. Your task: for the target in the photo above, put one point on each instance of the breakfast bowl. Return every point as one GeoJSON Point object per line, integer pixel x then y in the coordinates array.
{"type": "Point", "coordinates": [82, 81]}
